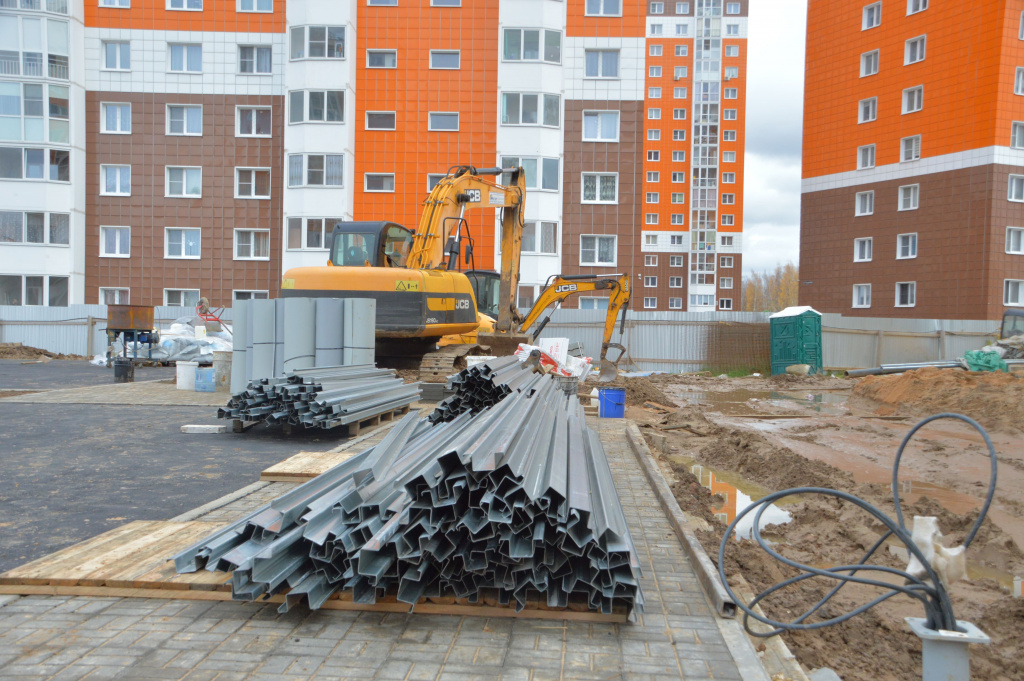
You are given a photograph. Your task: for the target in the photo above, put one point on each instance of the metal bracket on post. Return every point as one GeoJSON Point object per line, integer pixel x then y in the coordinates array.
{"type": "Point", "coordinates": [944, 653]}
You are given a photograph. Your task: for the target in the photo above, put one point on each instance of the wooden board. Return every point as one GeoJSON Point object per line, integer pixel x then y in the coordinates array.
{"type": "Point", "coordinates": [305, 465]}
{"type": "Point", "coordinates": [133, 561]}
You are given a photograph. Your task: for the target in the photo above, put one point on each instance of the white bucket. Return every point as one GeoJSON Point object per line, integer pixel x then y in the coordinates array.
{"type": "Point", "coordinates": [186, 375]}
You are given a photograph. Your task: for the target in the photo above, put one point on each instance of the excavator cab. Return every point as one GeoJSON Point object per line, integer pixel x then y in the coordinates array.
{"type": "Point", "coordinates": [485, 288]}
{"type": "Point", "coordinates": [1013, 324]}
{"type": "Point", "coordinates": [377, 244]}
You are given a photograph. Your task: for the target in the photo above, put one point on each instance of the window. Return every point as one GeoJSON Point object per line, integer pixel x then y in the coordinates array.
{"type": "Point", "coordinates": [1018, 84]}
{"type": "Point", "coordinates": [115, 3]}
{"type": "Point", "coordinates": [30, 290]}
{"type": "Point", "coordinates": [732, 8]}
{"type": "Point", "coordinates": [862, 250]}
{"type": "Point", "coordinates": [657, 8]}
{"type": "Point", "coordinates": [439, 121]}
{"type": "Point", "coordinates": [189, 5]}
{"type": "Point", "coordinates": [702, 300]}
{"type": "Point", "coordinates": [17, 163]}
{"type": "Point", "coordinates": [188, 297]}
{"type": "Point", "coordinates": [433, 179]}
{"type": "Point", "coordinates": [1013, 292]}
{"type": "Point", "coordinates": [725, 304]}
{"type": "Point", "coordinates": [116, 119]}
{"type": "Point", "coordinates": [115, 242]}
{"type": "Point", "coordinates": [675, 282]}
{"type": "Point", "coordinates": [114, 296]}
{"type": "Point", "coordinates": [116, 56]}
{"type": "Point", "coordinates": [601, 63]}
{"type": "Point", "coordinates": [678, 135]}
{"type": "Point", "coordinates": [597, 250]}
{"type": "Point", "coordinates": [678, 219]}
{"type": "Point", "coordinates": [906, 246]}
{"type": "Point", "coordinates": [732, 72]}
{"type": "Point", "coordinates": [910, 148]}
{"type": "Point", "coordinates": [654, 134]}
{"type": "Point", "coordinates": [17, 227]}
{"type": "Point", "coordinates": [657, 29]}
{"type": "Point", "coordinates": [726, 261]}
{"type": "Point", "coordinates": [314, 236]}
{"type": "Point", "coordinates": [650, 282]}
{"type": "Point", "coordinates": [600, 126]}
{"type": "Point", "coordinates": [906, 294]}
{"type": "Point", "coordinates": [650, 239]}
{"type": "Point", "coordinates": [116, 180]}
{"type": "Point", "coordinates": [445, 59]}
{"type": "Point", "coordinates": [255, 5]}
{"type": "Point", "coordinates": [237, 295]}
{"type": "Point", "coordinates": [866, 157]}
{"type": "Point", "coordinates": [591, 303]}
{"type": "Point", "coordinates": [653, 155]}
{"type": "Point", "coordinates": [728, 157]}
{"type": "Point", "coordinates": [598, 188]}
{"type": "Point", "coordinates": [913, 99]}
{"type": "Point", "coordinates": [675, 261]}
{"type": "Point", "coordinates": [682, 8]}
{"type": "Point", "coordinates": [319, 106]}
{"type": "Point", "coordinates": [652, 197]}
{"type": "Point", "coordinates": [380, 120]}
{"type": "Point", "coordinates": [729, 114]}
{"type": "Point", "coordinates": [1016, 191]}
{"type": "Point", "coordinates": [909, 196]}
{"type": "Point", "coordinates": [678, 178]}
{"type": "Point", "coordinates": [653, 176]}
{"type": "Point", "coordinates": [678, 197]}
{"type": "Point", "coordinates": [252, 183]}
{"type": "Point", "coordinates": [728, 135]}
{"type": "Point", "coordinates": [379, 182]}
{"type": "Point", "coordinates": [603, 8]}
{"type": "Point", "coordinates": [725, 282]}
{"type": "Point", "coordinates": [252, 121]}
{"type": "Point", "coordinates": [1017, 136]}
{"type": "Point", "coordinates": [915, 6]}
{"type": "Point", "coordinates": [869, 63]}
{"type": "Point", "coordinates": [541, 173]}
{"type": "Point", "coordinates": [682, 50]}
{"type": "Point", "coordinates": [315, 170]}
{"type": "Point", "coordinates": [730, 29]}
{"type": "Point", "coordinates": [654, 114]}
{"type": "Point", "coordinates": [184, 182]}
{"type": "Point", "coordinates": [650, 303]}
{"type": "Point", "coordinates": [655, 50]}
{"type": "Point", "coordinates": [865, 203]}
{"type": "Point", "coordinates": [252, 244]}
{"type": "Point", "coordinates": [382, 59]}
{"type": "Point", "coordinates": [728, 220]}
{"type": "Point", "coordinates": [317, 42]}
{"type": "Point", "coordinates": [872, 16]}
{"type": "Point", "coordinates": [60, 165]}
{"type": "Point", "coordinates": [650, 261]}
{"type": "Point", "coordinates": [523, 44]}
{"type": "Point", "coordinates": [862, 295]}
{"type": "Point", "coordinates": [868, 110]}
{"type": "Point", "coordinates": [530, 109]}
{"type": "Point", "coordinates": [680, 156]}
{"type": "Point", "coordinates": [731, 93]}
{"type": "Point", "coordinates": [675, 303]}
{"type": "Point", "coordinates": [254, 59]}
{"type": "Point", "coordinates": [185, 58]}
{"type": "Point", "coordinates": [728, 178]}
{"type": "Point", "coordinates": [1015, 240]}
{"type": "Point", "coordinates": [446, 3]}
{"type": "Point", "coordinates": [651, 219]}
{"type": "Point", "coordinates": [728, 199]}
{"type": "Point", "coordinates": [654, 93]}
{"type": "Point", "coordinates": [654, 72]}
{"type": "Point", "coordinates": [184, 120]}
{"type": "Point", "coordinates": [679, 93]}
{"type": "Point", "coordinates": [913, 50]}
{"type": "Point", "coordinates": [181, 243]}
{"type": "Point", "coordinates": [679, 114]}
{"type": "Point", "coordinates": [732, 50]}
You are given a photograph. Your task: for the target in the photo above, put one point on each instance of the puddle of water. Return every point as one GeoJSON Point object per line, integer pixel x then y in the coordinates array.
{"type": "Point", "coordinates": [737, 494]}
{"type": "Point", "coordinates": [744, 402]}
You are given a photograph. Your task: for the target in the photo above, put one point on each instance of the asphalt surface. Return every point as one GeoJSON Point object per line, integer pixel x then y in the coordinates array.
{"type": "Point", "coordinates": [14, 375]}
{"type": "Point", "coordinates": [69, 472]}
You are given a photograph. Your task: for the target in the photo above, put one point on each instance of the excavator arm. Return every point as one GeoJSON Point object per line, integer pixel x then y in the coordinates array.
{"type": "Point", "coordinates": [559, 287]}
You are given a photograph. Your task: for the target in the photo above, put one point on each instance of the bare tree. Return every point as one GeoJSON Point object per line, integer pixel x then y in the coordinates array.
{"type": "Point", "coordinates": [771, 291]}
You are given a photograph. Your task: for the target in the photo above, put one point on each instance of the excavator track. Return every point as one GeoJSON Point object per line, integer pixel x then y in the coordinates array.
{"type": "Point", "coordinates": [438, 365]}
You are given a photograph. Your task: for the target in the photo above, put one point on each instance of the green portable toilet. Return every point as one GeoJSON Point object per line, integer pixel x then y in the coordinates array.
{"type": "Point", "coordinates": [796, 339]}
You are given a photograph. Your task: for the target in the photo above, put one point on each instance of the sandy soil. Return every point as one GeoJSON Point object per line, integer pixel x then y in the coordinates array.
{"type": "Point", "coordinates": [9, 351]}
{"type": "Point", "coordinates": [770, 434]}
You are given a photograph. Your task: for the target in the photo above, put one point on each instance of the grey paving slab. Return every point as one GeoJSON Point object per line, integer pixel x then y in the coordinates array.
{"type": "Point", "coordinates": [676, 637]}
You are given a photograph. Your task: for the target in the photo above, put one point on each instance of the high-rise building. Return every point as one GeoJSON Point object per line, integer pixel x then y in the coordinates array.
{"type": "Point", "coordinates": [220, 140]}
{"type": "Point", "coordinates": [913, 159]}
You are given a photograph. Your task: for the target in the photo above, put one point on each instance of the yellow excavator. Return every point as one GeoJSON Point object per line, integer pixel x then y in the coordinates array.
{"type": "Point", "coordinates": [423, 297]}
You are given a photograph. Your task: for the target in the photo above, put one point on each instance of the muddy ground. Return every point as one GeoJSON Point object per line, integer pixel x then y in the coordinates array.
{"type": "Point", "coordinates": [26, 352]}
{"type": "Point", "coordinates": [747, 437]}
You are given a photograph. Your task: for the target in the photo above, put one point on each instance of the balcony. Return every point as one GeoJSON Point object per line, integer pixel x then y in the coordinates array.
{"type": "Point", "coordinates": [57, 6]}
{"type": "Point", "coordinates": [31, 4]}
{"type": "Point", "coordinates": [9, 63]}
{"type": "Point", "coordinates": [58, 67]}
{"type": "Point", "coordinates": [8, 4]}
{"type": "Point", "coordinates": [32, 64]}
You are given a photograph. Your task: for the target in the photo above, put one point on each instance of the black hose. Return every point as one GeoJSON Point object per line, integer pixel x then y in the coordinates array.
{"type": "Point", "coordinates": [930, 591]}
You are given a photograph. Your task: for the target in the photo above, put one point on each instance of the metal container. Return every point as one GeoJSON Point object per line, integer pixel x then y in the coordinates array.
{"type": "Point", "coordinates": [135, 317]}
{"type": "Point", "coordinates": [124, 370]}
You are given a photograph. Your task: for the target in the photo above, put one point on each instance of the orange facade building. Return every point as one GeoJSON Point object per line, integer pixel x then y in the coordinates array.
{"type": "Point", "coordinates": [913, 159]}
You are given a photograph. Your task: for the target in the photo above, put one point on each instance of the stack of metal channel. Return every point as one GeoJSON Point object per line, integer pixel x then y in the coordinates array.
{"type": "Point", "coordinates": [322, 397]}
{"type": "Point", "coordinates": [512, 502]}
{"type": "Point", "coordinates": [481, 386]}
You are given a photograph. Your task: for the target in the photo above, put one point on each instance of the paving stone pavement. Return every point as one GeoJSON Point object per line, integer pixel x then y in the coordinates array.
{"type": "Point", "coordinates": [677, 636]}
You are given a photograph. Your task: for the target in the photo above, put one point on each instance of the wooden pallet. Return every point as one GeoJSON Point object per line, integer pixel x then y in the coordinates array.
{"type": "Point", "coordinates": [133, 561]}
{"type": "Point", "coordinates": [305, 465]}
{"type": "Point", "coordinates": [358, 427]}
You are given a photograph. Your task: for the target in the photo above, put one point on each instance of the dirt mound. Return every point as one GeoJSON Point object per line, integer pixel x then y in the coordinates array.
{"type": "Point", "coordinates": [17, 351]}
{"type": "Point", "coordinates": [694, 499]}
{"type": "Point", "coordinates": [1003, 620]}
{"type": "Point", "coordinates": [758, 460]}
{"type": "Point", "coordinates": [996, 400]}
{"type": "Point", "coordinates": [638, 390]}
{"type": "Point", "coordinates": [691, 419]}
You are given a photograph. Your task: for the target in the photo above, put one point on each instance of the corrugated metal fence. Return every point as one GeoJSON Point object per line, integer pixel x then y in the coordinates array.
{"type": "Point", "coordinates": [657, 341]}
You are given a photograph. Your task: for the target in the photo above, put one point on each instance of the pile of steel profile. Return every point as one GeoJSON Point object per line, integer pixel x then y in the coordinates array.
{"type": "Point", "coordinates": [513, 501]}
{"type": "Point", "coordinates": [322, 397]}
{"type": "Point", "coordinates": [481, 386]}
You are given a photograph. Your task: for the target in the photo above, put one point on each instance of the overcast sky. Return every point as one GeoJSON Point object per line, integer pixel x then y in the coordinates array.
{"type": "Point", "coordinates": [775, 82]}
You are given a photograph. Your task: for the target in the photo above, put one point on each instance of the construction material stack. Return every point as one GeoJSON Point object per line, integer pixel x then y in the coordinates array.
{"type": "Point", "coordinates": [506, 501]}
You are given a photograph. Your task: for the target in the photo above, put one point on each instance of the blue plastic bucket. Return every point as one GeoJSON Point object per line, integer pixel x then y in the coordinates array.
{"type": "Point", "coordinates": [205, 382]}
{"type": "Point", "coordinates": [611, 403]}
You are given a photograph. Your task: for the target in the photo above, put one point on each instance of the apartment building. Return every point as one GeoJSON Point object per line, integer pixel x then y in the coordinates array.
{"type": "Point", "coordinates": [220, 140]}
{"type": "Point", "coordinates": [913, 159]}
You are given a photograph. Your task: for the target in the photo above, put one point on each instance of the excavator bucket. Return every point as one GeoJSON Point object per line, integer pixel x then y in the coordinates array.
{"type": "Point", "coordinates": [609, 372]}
